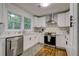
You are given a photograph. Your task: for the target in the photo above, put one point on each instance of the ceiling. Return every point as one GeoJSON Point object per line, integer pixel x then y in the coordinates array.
{"type": "Point", "coordinates": [36, 10]}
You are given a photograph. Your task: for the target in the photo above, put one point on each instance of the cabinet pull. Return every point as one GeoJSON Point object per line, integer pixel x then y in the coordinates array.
{"type": "Point", "coordinates": [66, 43]}
{"type": "Point", "coordinates": [30, 38]}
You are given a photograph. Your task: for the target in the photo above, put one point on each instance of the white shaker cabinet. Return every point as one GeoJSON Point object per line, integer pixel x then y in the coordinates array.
{"type": "Point", "coordinates": [63, 19]}
{"type": "Point", "coordinates": [35, 22]}
{"type": "Point", "coordinates": [39, 22]}
{"type": "Point", "coordinates": [41, 38]}
{"type": "Point", "coordinates": [42, 21]}
{"type": "Point", "coordinates": [67, 19]}
{"type": "Point", "coordinates": [60, 41]}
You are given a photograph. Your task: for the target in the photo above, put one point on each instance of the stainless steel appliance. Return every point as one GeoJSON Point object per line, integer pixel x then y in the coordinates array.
{"type": "Point", "coordinates": [50, 39]}
{"type": "Point", "coordinates": [14, 46]}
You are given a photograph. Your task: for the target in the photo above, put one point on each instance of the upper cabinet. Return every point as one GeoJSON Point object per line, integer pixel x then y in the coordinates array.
{"type": "Point", "coordinates": [42, 21]}
{"type": "Point", "coordinates": [67, 18]}
{"type": "Point", "coordinates": [0, 12]}
{"type": "Point", "coordinates": [63, 20]}
{"type": "Point", "coordinates": [35, 22]}
{"type": "Point", "coordinates": [39, 22]}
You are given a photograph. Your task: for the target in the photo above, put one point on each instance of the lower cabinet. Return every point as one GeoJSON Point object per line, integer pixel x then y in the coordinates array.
{"type": "Point", "coordinates": [60, 41]}
{"type": "Point", "coordinates": [41, 39]}
{"type": "Point", "coordinates": [30, 40]}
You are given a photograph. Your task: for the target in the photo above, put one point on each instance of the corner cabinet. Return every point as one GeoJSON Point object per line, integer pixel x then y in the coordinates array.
{"type": "Point", "coordinates": [63, 20]}
{"type": "Point", "coordinates": [39, 22]}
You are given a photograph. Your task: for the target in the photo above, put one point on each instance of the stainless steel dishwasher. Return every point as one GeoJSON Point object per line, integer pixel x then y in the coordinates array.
{"type": "Point", "coordinates": [14, 46]}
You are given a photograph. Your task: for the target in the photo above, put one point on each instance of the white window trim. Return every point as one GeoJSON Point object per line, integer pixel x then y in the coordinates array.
{"type": "Point", "coordinates": [31, 25]}
{"type": "Point", "coordinates": [13, 25]}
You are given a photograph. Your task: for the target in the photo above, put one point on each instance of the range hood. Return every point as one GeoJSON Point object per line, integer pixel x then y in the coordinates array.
{"type": "Point", "coordinates": [51, 19]}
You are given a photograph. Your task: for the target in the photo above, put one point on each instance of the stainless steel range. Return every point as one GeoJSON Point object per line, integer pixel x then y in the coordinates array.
{"type": "Point", "coordinates": [50, 39]}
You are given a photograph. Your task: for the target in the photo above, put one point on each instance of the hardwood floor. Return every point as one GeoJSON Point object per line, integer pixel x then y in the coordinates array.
{"type": "Point", "coordinates": [51, 51]}
{"type": "Point", "coordinates": [41, 49]}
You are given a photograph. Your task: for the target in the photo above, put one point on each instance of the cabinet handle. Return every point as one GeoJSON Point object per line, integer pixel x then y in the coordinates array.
{"type": "Point", "coordinates": [66, 42]}
{"type": "Point", "coordinates": [65, 37]}
{"type": "Point", "coordinates": [30, 38]}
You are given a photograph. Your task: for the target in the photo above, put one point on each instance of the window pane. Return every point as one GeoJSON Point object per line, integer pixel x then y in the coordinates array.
{"type": "Point", "coordinates": [14, 21]}
{"type": "Point", "coordinates": [10, 23]}
{"type": "Point", "coordinates": [27, 23]}
{"type": "Point", "coordinates": [27, 26]}
{"type": "Point", "coordinates": [17, 25]}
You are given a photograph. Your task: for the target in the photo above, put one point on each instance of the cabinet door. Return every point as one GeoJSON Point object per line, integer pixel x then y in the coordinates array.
{"type": "Point", "coordinates": [67, 18]}
{"type": "Point", "coordinates": [26, 42]}
{"type": "Point", "coordinates": [41, 38]}
{"type": "Point", "coordinates": [35, 22]}
{"type": "Point", "coordinates": [61, 20]}
{"type": "Point", "coordinates": [42, 21]}
{"type": "Point", "coordinates": [60, 41]}
{"type": "Point", "coordinates": [0, 12]}
{"type": "Point", "coordinates": [39, 22]}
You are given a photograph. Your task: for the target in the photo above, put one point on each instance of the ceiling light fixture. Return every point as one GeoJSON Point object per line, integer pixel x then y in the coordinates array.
{"type": "Point", "coordinates": [44, 4]}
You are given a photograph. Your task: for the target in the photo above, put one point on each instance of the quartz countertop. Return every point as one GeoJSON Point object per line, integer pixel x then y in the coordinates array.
{"type": "Point", "coordinates": [5, 36]}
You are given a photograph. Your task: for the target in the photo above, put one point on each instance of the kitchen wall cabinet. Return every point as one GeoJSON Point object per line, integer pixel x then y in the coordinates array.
{"type": "Point", "coordinates": [67, 24]}
{"type": "Point", "coordinates": [39, 22]}
{"type": "Point", "coordinates": [42, 21]}
{"type": "Point", "coordinates": [60, 41]}
{"type": "Point", "coordinates": [35, 22]}
{"type": "Point", "coordinates": [63, 20]}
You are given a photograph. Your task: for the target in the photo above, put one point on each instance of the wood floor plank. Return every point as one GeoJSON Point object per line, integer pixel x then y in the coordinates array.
{"type": "Point", "coordinates": [50, 51]}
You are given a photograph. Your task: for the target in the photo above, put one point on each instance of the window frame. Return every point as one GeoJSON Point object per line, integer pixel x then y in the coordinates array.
{"type": "Point", "coordinates": [13, 29]}
{"type": "Point", "coordinates": [30, 24]}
